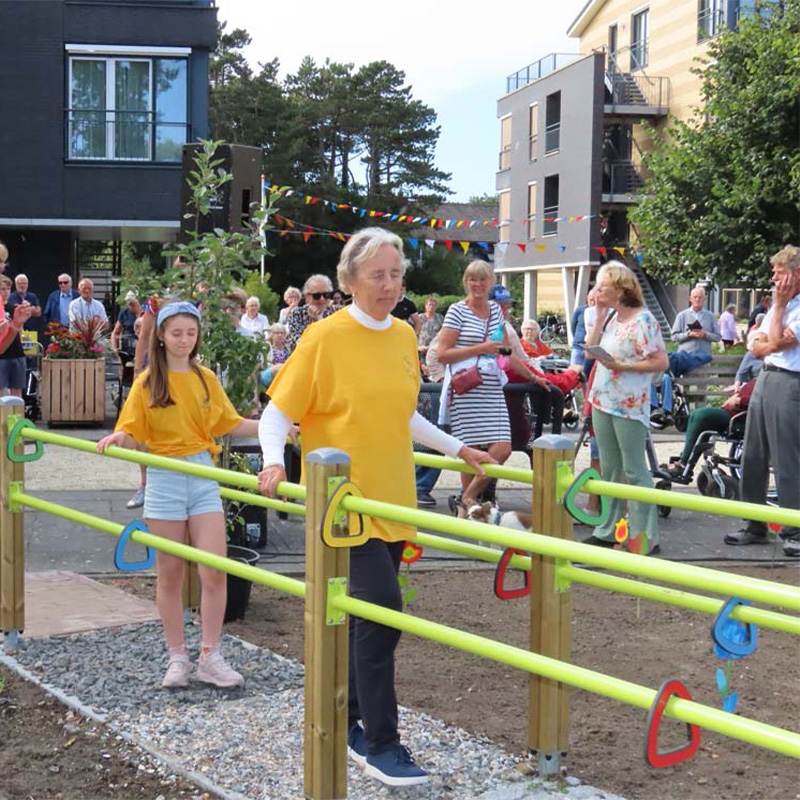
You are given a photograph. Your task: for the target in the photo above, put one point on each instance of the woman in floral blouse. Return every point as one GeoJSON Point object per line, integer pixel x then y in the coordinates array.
{"type": "Point", "coordinates": [634, 350]}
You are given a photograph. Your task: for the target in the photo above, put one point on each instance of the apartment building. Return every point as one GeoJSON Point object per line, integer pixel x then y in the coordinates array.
{"type": "Point", "coordinates": [572, 138]}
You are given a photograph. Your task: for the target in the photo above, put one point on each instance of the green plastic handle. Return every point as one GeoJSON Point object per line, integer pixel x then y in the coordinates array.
{"type": "Point", "coordinates": [18, 425]}
{"type": "Point", "coordinates": [578, 513]}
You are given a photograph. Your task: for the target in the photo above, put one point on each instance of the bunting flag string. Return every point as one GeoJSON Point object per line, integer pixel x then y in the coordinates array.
{"type": "Point", "coordinates": [293, 227]}
{"type": "Point", "coordinates": [410, 219]}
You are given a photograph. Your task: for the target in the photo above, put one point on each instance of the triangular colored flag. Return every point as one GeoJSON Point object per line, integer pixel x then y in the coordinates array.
{"type": "Point", "coordinates": [413, 243]}
{"type": "Point", "coordinates": [308, 199]}
{"type": "Point", "coordinates": [363, 211]}
{"type": "Point", "coordinates": [484, 245]}
{"type": "Point", "coordinates": [521, 247]}
{"type": "Point", "coordinates": [502, 246]}
{"type": "Point", "coordinates": [464, 246]}
{"type": "Point", "coordinates": [562, 248]}
{"type": "Point", "coordinates": [306, 237]}
{"type": "Point", "coordinates": [541, 247]}
{"type": "Point", "coordinates": [448, 244]}
{"type": "Point", "coordinates": [620, 250]}
{"type": "Point", "coordinates": [430, 242]}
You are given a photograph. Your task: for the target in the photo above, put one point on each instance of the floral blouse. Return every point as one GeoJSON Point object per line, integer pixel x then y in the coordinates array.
{"type": "Point", "coordinates": [627, 394]}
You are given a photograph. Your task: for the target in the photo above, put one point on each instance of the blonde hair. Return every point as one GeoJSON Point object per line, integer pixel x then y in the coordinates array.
{"type": "Point", "coordinates": [788, 257]}
{"type": "Point", "coordinates": [477, 269]}
{"type": "Point", "coordinates": [291, 290]}
{"type": "Point", "coordinates": [624, 280]}
{"type": "Point", "coordinates": [276, 328]}
{"type": "Point", "coordinates": [3, 252]}
{"type": "Point", "coordinates": [362, 246]}
{"type": "Point", "coordinates": [6, 281]}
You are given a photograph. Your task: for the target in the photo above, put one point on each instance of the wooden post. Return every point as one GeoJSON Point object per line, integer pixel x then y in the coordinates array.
{"type": "Point", "coordinates": [191, 585]}
{"type": "Point", "coordinates": [12, 533]}
{"type": "Point", "coordinates": [548, 700]}
{"type": "Point", "coordinates": [325, 727]}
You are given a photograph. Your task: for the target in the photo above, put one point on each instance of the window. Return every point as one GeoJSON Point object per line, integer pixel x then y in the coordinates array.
{"type": "Point", "coordinates": [127, 108]}
{"type": "Point", "coordinates": [532, 210]}
{"type": "Point", "coordinates": [550, 210]}
{"type": "Point", "coordinates": [505, 215]}
{"type": "Point", "coordinates": [710, 18]}
{"type": "Point", "coordinates": [612, 47]}
{"type": "Point", "coordinates": [505, 143]}
{"type": "Point", "coordinates": [552, 128]}
{"type": "Point", "coordinates": [639, 51]}
{"type": "Point", "coordinates": [533, 131]}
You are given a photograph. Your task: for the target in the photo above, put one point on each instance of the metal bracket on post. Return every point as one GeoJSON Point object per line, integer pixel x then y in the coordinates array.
{"type": "Point", "coordinates": [564, 478]}
{"type": "Point", "coordinates": [14, 489]}
{"type": "Point", "coordinates": [11, 641]}
{"type": "Point", "coordinates": [561, 584]}
{"type": "Point", "coordinates": [548, 764]}
{"type": "Point", "coordinates": [336, 588]}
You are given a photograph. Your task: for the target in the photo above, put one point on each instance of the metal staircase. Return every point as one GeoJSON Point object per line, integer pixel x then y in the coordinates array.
{"type": "Point", "coordinates": [651, 301]}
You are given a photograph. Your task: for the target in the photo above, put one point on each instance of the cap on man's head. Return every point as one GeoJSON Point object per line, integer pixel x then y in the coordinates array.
{"type": "Point", "coordinates": [500, 294]}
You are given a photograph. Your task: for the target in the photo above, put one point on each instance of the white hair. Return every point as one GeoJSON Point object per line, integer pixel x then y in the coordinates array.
{"type": "Point", "coordinates": [318, 278]}
{"type": "Point", "coordinates": [258, 302]}
{"type": "Point", "coordinates": [22, 276]}
{"type": "Point", "coordinates": [362, 246]}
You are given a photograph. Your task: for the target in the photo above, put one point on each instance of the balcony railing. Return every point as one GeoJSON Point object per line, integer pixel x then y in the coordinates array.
{"type": "Point", "coordinates": [544, 66]}
{"type": "Point", "coordinates": [552, 137]}
{"type": "Point", "coordinates": [549, 224]}
{"type": "Point", "coordinates": [130, 136]}
{"type": "Point", "coordinates": [505, 158]}
{"type": "Point", "coordinates": [624, 89]}
{"type": "Point", "coordinates": [710, 23]}
{"type": "Point", "coordinates": [640, 55]}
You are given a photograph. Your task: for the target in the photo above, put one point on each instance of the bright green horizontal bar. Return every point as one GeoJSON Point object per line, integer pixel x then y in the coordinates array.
{"type": "Point", "coordinates": [695, 502]}
{"type": "Point", "coordinates": [255, 574]}
{"type": "Point", "coordinates": [457, 465]}
{"type": "Point", "coordinates": [643, 566]}
{"type": "Point", "coordinates": [674, 597]}
{"type": "Point", "coordinates": [259, 500]}
{"type": "Point", "coordinates": [748, 730]}
{"type": "Point", "coordinates": [614, 583]}
{"type": "Point", "coordinates": [227, 476]}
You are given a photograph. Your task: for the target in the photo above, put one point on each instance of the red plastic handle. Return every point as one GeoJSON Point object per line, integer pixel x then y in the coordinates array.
{"type": "Point", "coordinates": [500, 577]}
{"type": "Point", "coordinates": [668, 758]}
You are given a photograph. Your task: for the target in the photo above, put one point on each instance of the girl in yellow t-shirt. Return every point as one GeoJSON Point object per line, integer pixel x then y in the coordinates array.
{"type": "Point", "coordinates": [177, 408]}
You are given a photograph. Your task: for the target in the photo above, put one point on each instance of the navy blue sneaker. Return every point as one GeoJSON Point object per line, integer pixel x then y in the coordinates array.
{"type": "Point", "coordinates": [357, 744]}
{"type": "Point", "coordinates": [395, 767]}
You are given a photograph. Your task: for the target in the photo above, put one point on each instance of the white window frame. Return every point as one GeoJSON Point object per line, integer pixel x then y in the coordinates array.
{"type": "Point", "coordinates": [505, 224]}
{"type": "Point", "coordinates": [532, 211]}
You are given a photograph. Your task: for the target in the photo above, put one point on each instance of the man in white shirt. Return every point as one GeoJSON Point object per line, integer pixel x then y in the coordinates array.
{"type": "Point", "coordinates": [772, 435]}
{"type": "Point", "coordinates": [85, 306]}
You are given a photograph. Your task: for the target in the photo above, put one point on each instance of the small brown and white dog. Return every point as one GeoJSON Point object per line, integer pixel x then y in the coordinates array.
{"type": "Point", "coordinates": [491, 515]}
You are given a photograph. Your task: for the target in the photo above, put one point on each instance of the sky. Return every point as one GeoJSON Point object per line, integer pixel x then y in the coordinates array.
{"type": "Point", "coordinates": [455, 56]}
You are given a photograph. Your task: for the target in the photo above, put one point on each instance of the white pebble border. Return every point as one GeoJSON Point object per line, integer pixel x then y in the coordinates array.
{"type": "Point", "coordinates": [249, 744]}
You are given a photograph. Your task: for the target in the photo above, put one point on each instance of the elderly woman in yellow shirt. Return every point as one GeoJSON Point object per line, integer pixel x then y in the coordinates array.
{"type": "Point", "coordinates": [362, 399]}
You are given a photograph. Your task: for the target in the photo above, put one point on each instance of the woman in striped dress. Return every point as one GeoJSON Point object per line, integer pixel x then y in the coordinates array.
{"type": "Point", "coordinates": [478, 417]}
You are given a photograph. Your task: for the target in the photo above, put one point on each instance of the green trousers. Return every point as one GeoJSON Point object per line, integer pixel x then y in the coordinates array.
{"type": "Point", "coordinates": [701, 420]}
{"type": "Point", "coordinates": [623, 459]}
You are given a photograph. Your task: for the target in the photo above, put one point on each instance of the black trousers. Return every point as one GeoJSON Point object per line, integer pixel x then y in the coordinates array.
{"type": "Point", "coordinates": [373, 577]}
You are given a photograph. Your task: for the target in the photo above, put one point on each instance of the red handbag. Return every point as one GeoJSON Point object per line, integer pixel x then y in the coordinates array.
{"type": "Point", "coordinates": [465, 380]}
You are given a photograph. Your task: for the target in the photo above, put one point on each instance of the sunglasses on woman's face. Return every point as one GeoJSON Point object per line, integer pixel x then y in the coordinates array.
{"type": "Point", "coordinates": [319, 295]}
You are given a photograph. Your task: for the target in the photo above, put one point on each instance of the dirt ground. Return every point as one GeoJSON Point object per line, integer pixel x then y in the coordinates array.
{"type": "Point", "coordinates": [47, 752]}
{"type": "Point", "coordinates": [639, 641]}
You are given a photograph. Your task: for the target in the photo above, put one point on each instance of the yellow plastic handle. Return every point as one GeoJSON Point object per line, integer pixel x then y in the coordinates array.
{"type": "Point", "coordinates": [334, 520]}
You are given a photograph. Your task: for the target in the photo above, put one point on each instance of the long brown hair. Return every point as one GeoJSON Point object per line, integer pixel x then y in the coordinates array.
{"type": "Point", "coordinates": [156, 378]}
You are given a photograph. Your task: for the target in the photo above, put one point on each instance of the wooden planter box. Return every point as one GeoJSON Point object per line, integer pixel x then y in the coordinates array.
{"type": "Point", "coordinates": [73, 390]}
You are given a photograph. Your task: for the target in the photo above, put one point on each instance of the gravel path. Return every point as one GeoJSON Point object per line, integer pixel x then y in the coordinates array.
{"type": "Point", "coordinates": [248, 740]}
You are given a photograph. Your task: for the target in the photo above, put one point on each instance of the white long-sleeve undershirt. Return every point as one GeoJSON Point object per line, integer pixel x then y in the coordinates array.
{"type": "Point", "coordinates": [274, 425]}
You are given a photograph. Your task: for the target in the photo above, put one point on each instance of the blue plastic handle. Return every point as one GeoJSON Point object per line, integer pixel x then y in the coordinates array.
{"type": "Point", "coordinates": [119, 551]}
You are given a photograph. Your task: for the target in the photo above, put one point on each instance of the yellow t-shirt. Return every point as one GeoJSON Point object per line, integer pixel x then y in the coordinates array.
{"type": "Point", "coordinates": [185, 428]}
{"type": "Point", "coordinates": [355, 388]}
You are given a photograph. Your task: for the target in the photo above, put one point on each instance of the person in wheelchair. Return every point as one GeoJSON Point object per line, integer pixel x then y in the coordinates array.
{"type": "Point", "coordinates": [701, 420]}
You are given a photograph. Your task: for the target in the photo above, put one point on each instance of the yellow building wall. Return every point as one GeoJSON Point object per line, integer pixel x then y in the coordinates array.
{"type": "Point", "coordinates": [672, 45]}
{"type": "Point", "coordinates": [549, 292]}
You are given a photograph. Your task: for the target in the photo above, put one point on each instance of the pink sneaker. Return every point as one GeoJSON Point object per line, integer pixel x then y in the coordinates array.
{"type": "Point", "coordinates": [214, 669]}
{"type": "Point", "coordinates": [178, 671]}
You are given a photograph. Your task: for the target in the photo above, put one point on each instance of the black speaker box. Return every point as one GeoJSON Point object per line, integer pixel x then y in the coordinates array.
{"type": "Point", "coordinates": [232, 210]}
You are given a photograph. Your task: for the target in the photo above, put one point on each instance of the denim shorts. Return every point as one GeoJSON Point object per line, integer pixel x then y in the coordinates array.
{"type": "Point", "coordinates": [174, 496]}
{"type": "Point", "coordinates": [12, 373]}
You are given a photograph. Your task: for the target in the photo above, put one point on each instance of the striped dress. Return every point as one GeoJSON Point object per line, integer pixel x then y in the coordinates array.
{"type": "Point", "coordinates": [480, 416]}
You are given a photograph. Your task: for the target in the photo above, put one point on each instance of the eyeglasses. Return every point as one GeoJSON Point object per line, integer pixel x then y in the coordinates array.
{"type": "Point", "coordinates": [63, 283]}
{"type": "Point", "coordinates": [320, 295]}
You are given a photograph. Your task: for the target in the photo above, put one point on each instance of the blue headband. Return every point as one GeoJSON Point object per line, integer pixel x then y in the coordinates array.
{"type": "Point", "coordinates": [177, 308]}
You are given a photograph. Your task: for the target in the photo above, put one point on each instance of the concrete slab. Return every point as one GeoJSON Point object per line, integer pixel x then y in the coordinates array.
{"type": "Point", "coordinates": [59, 602]}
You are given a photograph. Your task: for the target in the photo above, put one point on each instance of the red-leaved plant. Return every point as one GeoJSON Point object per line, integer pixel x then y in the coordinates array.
{"type": "Point", "coordinates": [84, 342]}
